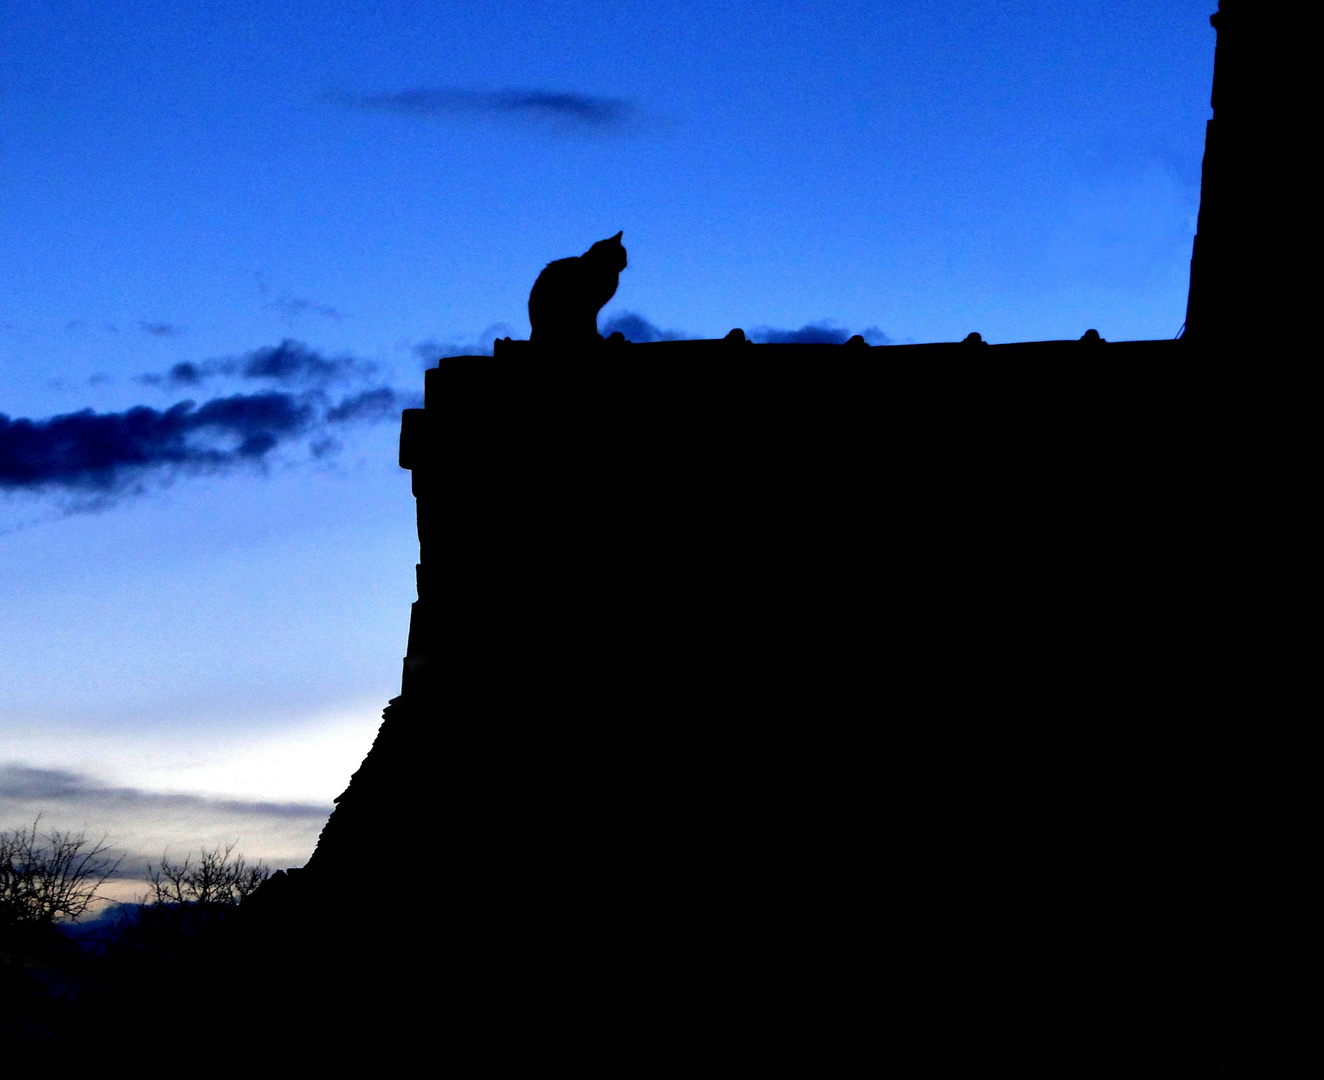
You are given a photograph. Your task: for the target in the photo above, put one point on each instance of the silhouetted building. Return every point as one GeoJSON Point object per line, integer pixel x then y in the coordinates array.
{"type": "Point", "coordinates": [1248, 251]}
{"type": "Point", "coordinates": [794, 701]}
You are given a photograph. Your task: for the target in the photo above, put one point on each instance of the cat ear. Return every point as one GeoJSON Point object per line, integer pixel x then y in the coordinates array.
{"type": "Point", "coordinates": [619, 235]}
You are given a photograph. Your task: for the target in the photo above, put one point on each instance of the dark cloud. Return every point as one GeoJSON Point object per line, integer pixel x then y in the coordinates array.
{"type": "Point", "coordinates": [92, 451]}
{"type": "Point", "coordinates": [325, 447]}
{"type": "Point", "coordinates": [819, 333]}
{"type": "Point", "coordinates": [59, 786]}
{"type": "Point", "coordinates": [636, 328]}
{"type": "Point", "coordinates": [291, 363]}
{"type": "Point", "coordinates": [292, 306]}
{"type": "Point", "coordinates": [379, 404]}
{"type": "Point", "coordinates": [160, 329]}
{"type": "Point", "coordinates": [874, 336]}
{"type": "Point", "coordinates": [561, 108]}
{"type": "Point", "coordinates": [809, 334]}
{"type": "Point", "coordinates": [188, 374]}
{"type": "Point", "coordinates": [97, 457]}
{"type": "Point", "coordinates": [184, 374]}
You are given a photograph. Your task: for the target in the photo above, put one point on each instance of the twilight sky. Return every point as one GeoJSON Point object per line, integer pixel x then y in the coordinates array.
{"type": "Point", "coordinates": [238, 232]}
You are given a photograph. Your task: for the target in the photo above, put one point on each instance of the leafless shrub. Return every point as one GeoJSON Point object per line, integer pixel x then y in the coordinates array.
{"type": "Point", "coordinates": [214, 880]}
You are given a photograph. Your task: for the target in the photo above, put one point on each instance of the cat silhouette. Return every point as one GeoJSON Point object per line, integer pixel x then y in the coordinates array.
{"type": "Point", "coordinates": [569, 293]}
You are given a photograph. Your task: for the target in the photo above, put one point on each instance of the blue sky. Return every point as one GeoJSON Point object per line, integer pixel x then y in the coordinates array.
{"type": "Point", "coordinates": [192, 196]}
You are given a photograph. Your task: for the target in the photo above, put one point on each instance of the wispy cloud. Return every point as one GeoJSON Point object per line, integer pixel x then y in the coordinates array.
{"type": "Point", "coordinates": [291, 307]}
{"type": "Point", "coordinates": [560, 108]}
{"type": "Point", "coordinates": [816, 333]}
{"type": "Point", "coordinates": [110, 328]}
{"type": "Point", "coordinates": [140, 823]}
{"type": "Point", "coordinates": [160, 329]}
{"type": "Point", "coordinates": [22, 783]}
{"type": "Point", "coordinates": [431, 351]}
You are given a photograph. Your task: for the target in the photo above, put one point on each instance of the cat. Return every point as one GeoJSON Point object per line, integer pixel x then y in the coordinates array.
{"type": "Point", "coordinates": [569, 293]}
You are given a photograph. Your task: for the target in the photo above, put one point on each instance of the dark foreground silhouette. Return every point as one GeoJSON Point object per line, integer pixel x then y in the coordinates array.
{"type": "Point", "coordinates": [1245, 291]}
{"type": "Point", "coordinates": [937, 707]}
{"type": "Point", "coordinates": [787, 703]}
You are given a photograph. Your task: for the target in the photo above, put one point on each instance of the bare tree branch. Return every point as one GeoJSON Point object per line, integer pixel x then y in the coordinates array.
{"type": "Point", "coordinates": [44, 878]}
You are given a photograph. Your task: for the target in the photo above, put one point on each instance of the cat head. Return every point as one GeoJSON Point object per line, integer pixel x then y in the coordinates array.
{"type": "Point", "coordinates": [610, 252]}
